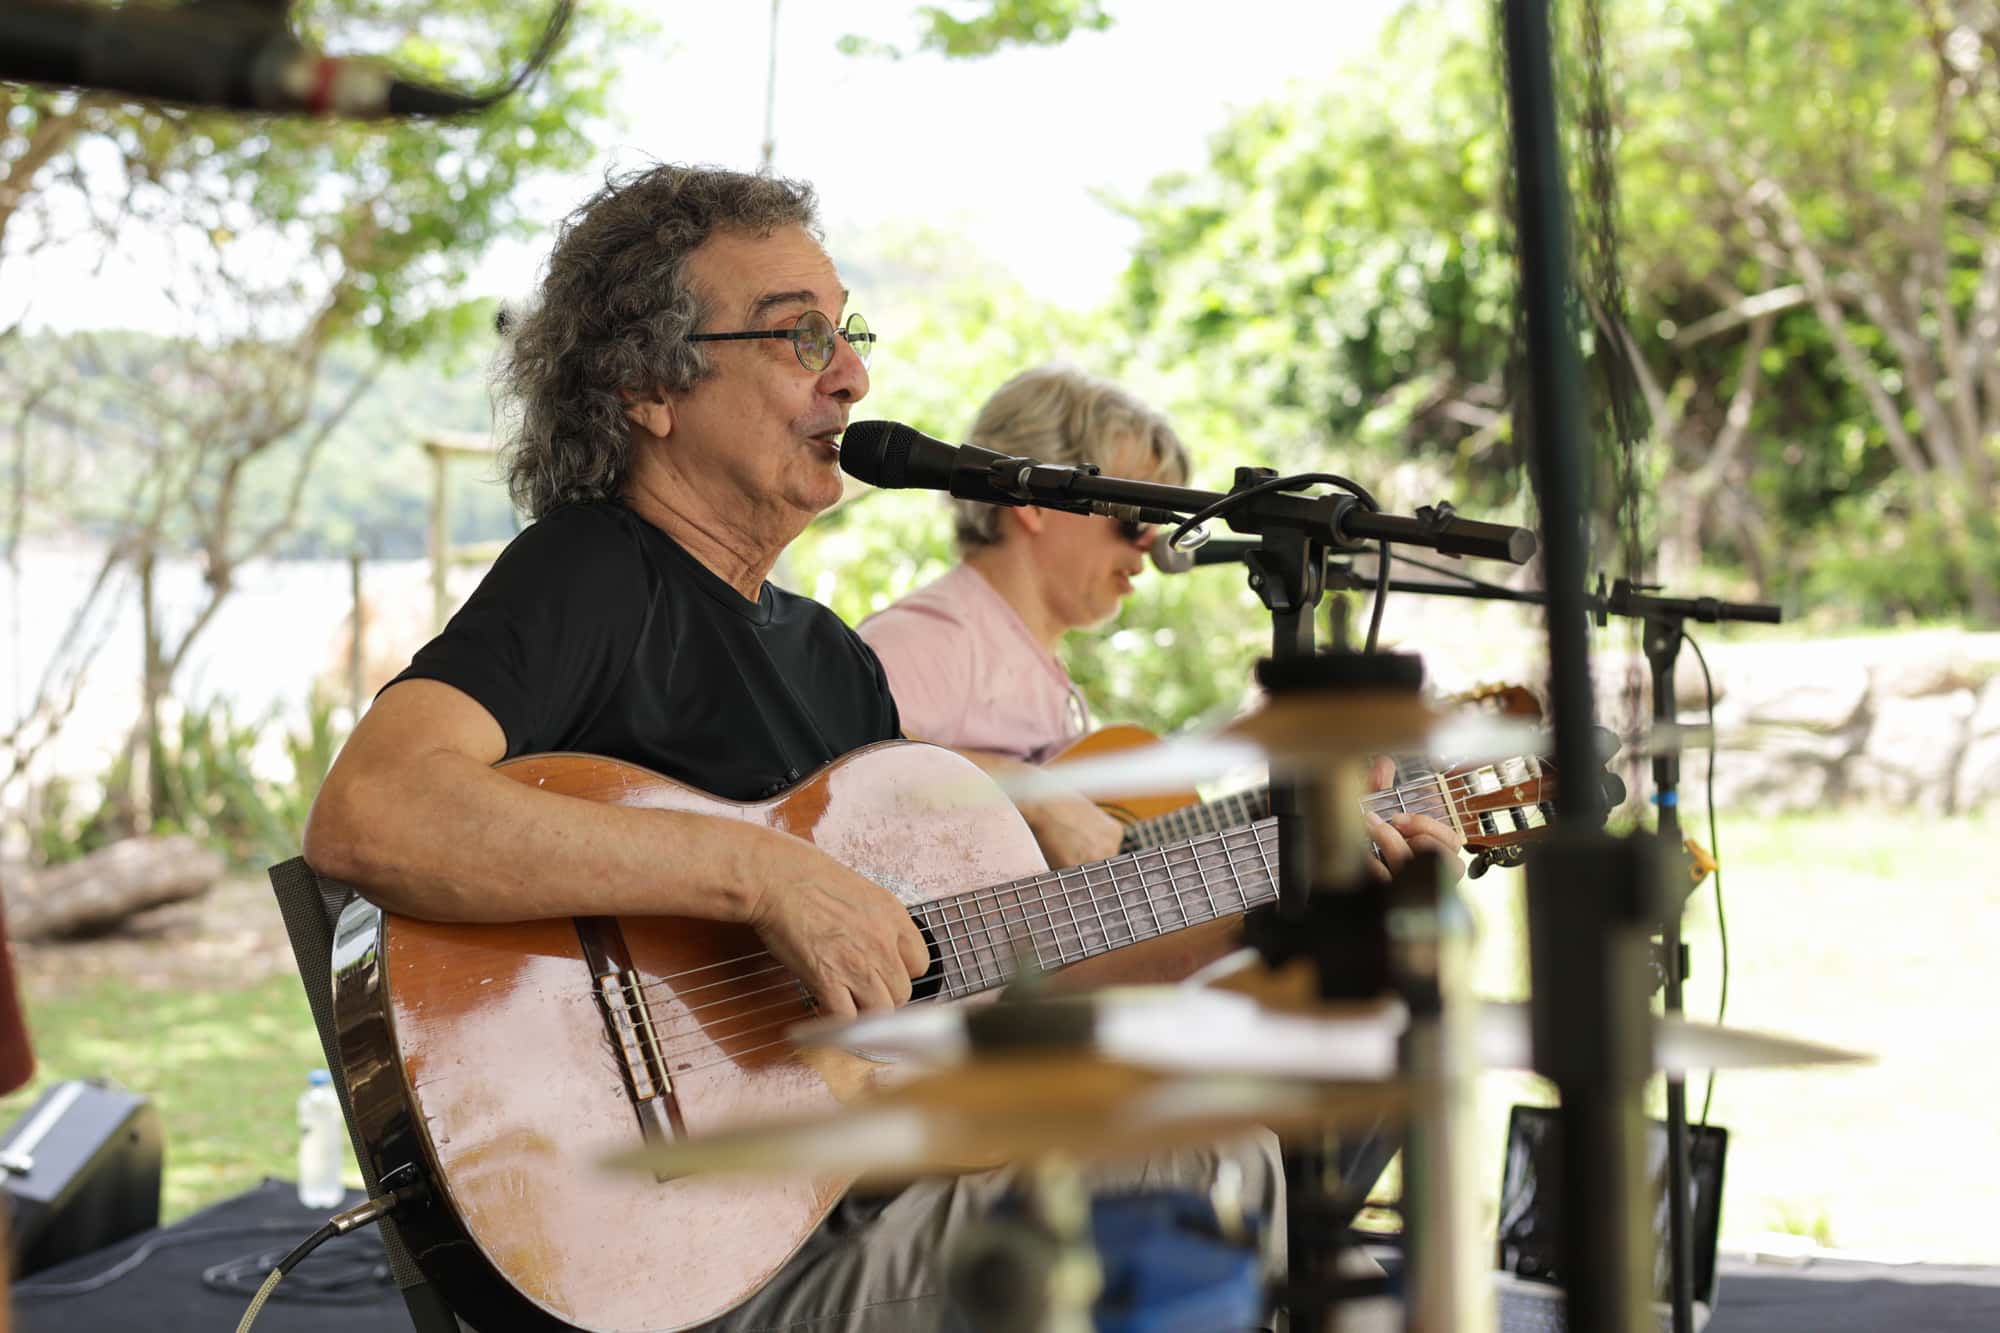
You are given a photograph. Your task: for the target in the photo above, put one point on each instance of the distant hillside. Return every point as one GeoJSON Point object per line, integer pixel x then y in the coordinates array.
{"type": "Point", "coordinates": [370, 485]}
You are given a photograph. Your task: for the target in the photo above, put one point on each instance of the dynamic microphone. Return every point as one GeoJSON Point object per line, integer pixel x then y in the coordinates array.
{"type": "Point", "coordinates": [894, 456]}
{"type": "Point", "coordinates": [219, 54]}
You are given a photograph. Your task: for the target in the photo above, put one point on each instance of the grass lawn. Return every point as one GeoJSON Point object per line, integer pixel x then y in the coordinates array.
{"type": "Point", "coordinates": [223, 1066]}
{"type": "Point", "coordinates": [1871, 931]}
{"type": "Point", "coordinates": [1880, 932]}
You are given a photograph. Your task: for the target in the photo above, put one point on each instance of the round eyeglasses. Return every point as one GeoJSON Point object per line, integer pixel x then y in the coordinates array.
{"type": "Point", "coordinates": [811, 338]}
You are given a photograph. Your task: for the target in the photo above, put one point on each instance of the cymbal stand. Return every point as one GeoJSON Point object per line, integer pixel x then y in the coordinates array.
{"type": "Point", "coordinates": [1410, 937]}
{"type": "Point", "coordinates": [1034, 1273]}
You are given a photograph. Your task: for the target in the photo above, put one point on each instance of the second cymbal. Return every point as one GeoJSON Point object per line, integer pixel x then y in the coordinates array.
{"type": "Point", "coordinates": [990, 1112]}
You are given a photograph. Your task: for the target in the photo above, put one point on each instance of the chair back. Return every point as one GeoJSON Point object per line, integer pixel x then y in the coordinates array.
{"type": "Point", "coordinates": [311, 905]}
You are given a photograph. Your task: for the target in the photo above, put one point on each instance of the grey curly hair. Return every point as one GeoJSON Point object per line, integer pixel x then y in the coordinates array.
{"type": "Point", "coordinates": [610, 323]}
{"type": "Point", "coordinates": [1058, 414]}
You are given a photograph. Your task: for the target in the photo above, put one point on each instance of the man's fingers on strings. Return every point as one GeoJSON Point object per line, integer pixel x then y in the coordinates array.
{"type": "Point", "coordinates": [1413, 827]}
{"type": "Point", "coordinates": [835, 1001]}
{"type": "Point", "coordinates": [873, 996]}
{"type": "Point", "coordinates": [915, 955]}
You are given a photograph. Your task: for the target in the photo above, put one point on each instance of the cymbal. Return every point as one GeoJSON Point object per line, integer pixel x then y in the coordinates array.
{"type": "Point", "coordinates": [1680, 1045]}
{"type": "Point", "coordinates": [1292, 736]}
{"type": "Point", "coordinates": [1193, 1029]}
{"type": "Point", "coordinates": [1166, 1029]}
{"type": "Point", "coordinates": [1016, 1107]}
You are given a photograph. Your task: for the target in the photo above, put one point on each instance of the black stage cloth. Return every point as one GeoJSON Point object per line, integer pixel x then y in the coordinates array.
{"type": "Point", "coordinates": [198, 1275]}
{"type": "Point", "coordinates": [345, 1287]}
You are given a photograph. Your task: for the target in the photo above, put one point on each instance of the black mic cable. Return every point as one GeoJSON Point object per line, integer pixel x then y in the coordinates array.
{"type": "Point", "coordinates": [225, 55]}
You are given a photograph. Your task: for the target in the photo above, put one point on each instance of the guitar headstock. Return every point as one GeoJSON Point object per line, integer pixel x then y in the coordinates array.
{"type": "Point", "coordinates": [1497, 806]}
{"type": "Point", "coordinates": [1504, 699]}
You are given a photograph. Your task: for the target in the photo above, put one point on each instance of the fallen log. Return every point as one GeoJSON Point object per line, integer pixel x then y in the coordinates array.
{"type": "Point", "coordinates": [97, 891]}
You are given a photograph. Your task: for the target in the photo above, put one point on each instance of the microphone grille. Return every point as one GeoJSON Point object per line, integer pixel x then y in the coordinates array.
{"type": "Point", "coordinates": [877, 452]}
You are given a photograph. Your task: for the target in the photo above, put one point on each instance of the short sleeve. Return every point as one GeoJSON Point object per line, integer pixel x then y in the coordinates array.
{"type": "Point", "coordinates": [927, 656]}
{"type": "Point", "coordinates": [544, 640]}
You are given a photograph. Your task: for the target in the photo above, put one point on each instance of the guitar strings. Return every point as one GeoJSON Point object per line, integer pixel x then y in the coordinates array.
{"type": "Point", "coordinates": [989, 909]}
{"type": "Point", "coordinates": [1458, 785]}
{"type": "Point", "coordinates": [1038, 910]}
{"type": "Point", "coordinates": [1231, 861]}
{"type": "Point", "coordinates": [1022, 912]}
{"type": "Point", "coordinates": [1434, 803]}
{"type": "Point", "coordinates": [710, 1038]}
{"type": "Point", "coordinates": [986, 900]}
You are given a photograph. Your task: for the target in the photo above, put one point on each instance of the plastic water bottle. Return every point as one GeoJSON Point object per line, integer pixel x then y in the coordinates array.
{"type": "Point", "coordinates": [322, 1143]}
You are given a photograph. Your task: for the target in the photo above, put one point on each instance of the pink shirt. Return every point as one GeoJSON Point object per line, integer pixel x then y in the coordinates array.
{"type": "Point", "coordinates": [966, 672]}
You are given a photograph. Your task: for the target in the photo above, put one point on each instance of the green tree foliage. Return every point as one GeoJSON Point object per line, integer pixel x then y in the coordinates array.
{"type": "Point", "coordinates": [973, 28]}
{"type": "Point", "coordinates": [283, 236]}
{"type": "Point", "coordinates": [1808, 245]}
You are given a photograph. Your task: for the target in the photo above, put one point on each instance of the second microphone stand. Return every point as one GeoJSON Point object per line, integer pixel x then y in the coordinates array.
{"type": "Point", "coordinates": [1663, 630]}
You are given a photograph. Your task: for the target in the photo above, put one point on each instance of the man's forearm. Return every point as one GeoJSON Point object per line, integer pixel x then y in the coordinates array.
{"type": "Point", "coordinates": [450, 839]}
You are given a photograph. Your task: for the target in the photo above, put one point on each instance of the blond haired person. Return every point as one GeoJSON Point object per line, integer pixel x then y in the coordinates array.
{"type": "Point", "coordinates": [972, 658]}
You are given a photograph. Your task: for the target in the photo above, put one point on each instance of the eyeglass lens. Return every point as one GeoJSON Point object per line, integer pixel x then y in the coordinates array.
{"type": "Point", "coordinates": [813, 337]}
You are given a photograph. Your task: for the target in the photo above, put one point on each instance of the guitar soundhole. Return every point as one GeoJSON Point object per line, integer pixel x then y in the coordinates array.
{"type": "Point", "coordinates": [931, 983]}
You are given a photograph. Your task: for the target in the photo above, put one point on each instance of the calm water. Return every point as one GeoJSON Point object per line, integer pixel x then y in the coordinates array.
{"type": "Point", "coordinates": [283, 626]}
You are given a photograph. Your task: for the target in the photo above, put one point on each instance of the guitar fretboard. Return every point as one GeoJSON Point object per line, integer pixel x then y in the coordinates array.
{"type": "Point", "coordinates": [1065, 916]}
{"type": "Point", "coordinates": [1191, 821]}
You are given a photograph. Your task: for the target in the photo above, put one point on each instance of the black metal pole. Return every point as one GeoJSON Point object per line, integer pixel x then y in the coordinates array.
{"type": "Point", "coordinates": [1663, 644]}
{"type": "Point", "coordinates": [1585, 890]}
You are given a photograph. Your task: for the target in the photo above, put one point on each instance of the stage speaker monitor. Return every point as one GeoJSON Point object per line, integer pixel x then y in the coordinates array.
{"type": "Point", "coordinates": [82, 1171]}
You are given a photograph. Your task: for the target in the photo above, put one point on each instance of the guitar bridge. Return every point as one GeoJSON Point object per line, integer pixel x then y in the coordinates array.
{"type": "Point", "coordinates": [631, 1028]}
{"type": "Point", "coordinates": [629, 1024]}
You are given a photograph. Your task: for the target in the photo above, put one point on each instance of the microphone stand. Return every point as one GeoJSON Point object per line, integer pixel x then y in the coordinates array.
{"type": "Point", "coordinates": [1329, 909]}
{"type": "Point", "coordinates": [1665, 618]}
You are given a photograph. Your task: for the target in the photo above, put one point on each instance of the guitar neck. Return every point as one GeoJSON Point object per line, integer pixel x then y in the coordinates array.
{"type": "Point", "coordinates": [1426, 795]}
{"type": "Point", "coordinates": [1061, 917]}
{"type": "Point", "coordinates": [1193, 821]}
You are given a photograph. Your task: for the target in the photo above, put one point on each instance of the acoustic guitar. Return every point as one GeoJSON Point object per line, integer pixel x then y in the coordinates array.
{"type": "Point", "coordinates": [499, 1064]}
{"type": "Point", "coordinates": [1157, 818]}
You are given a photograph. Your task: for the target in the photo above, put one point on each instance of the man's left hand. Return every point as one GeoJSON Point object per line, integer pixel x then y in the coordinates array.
{"type": "Point", "coordinates": [1402, 835]}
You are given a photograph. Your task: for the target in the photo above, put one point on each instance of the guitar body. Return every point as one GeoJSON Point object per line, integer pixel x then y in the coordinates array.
{"type": "Point", "coordinates": [491, 1060]}
{"type": "Point", "coordinates": [1111, 740]}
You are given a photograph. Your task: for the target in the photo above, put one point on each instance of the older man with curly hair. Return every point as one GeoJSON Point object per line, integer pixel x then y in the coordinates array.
{"type": "Point", "coordinates": [676, 399]}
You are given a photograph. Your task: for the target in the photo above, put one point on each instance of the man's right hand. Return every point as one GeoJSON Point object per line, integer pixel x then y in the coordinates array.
{"type": "Point", "coordinates": [1072, 830]}
{"type": "Point", "coordinates": [850, 940]}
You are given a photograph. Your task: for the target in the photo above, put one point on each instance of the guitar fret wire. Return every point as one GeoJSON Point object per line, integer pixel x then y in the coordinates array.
{"type": "Point", "coordinates": [1049, 914]}
{"type": "Point", "coordinates": [973, 944]}
{"type": "Point", "coordinates": [1076, 924]}
{"type": "Point", "coordinates": [1207, 892]}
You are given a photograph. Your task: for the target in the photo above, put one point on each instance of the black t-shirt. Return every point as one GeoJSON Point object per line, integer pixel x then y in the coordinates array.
{"type": "Point", "coordinates": [595, 631]}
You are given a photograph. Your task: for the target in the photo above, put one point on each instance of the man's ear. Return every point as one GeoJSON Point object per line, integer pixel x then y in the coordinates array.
{"type": "Point", "coordinates": [655, 416]}
{"type": "Point", "coordinates": [1028, 516]}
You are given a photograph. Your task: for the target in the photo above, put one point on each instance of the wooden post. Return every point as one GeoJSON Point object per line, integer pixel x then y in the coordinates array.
{"type": "Point", "coordinates": [443, 446]}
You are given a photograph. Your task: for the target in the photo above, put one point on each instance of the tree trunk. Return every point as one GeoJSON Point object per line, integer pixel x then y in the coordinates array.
{"type": "Point", "coordinates": [112, 883]}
